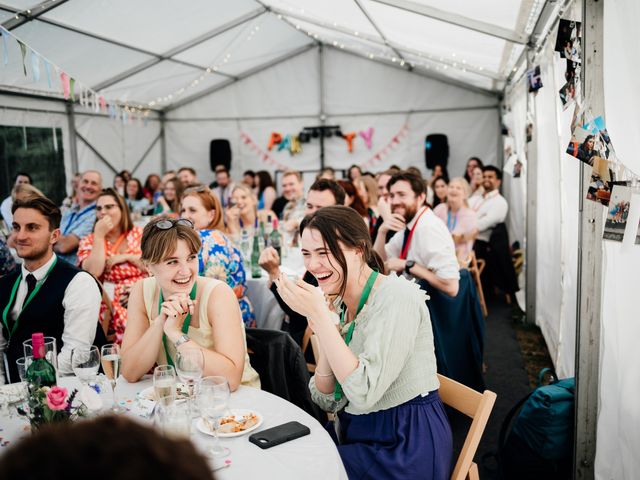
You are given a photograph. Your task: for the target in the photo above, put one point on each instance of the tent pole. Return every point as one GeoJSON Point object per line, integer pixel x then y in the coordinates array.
{"type": "Point", "coordinates": [97, 153]}
{"type": "Point", "coordinates": [321, 98]}
{"type": "Point", "coordinates": [531, 243]}
{"type": "Point", "coordinates": [163, 143]}
{"type": "Point", "coordinates": [589, 298]}
{"type": "Point", "coordinates": [73, 147]}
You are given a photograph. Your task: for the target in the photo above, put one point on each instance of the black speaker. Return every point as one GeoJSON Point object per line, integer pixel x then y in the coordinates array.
{"type": "Point", "coordinates": [436, 150]}
{"type": "Point", "coordinates": [220, 153]}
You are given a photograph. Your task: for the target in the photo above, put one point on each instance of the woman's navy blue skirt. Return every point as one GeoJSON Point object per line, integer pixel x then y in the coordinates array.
{"type": "Point", "coordinates": [410, 441]}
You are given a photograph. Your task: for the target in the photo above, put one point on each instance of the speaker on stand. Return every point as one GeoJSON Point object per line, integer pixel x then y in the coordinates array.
{"type": "Point", "coordinates": [436, 150]}
{"type": "Point", "coordinates": [220, 153]}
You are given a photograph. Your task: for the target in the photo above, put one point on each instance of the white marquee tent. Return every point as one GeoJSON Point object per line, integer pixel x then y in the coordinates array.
{"type": "Point", "coordinates": [179, 74]}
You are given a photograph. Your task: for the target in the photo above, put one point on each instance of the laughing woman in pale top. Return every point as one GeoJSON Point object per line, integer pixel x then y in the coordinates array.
{"type": "Point", "coordinates": [377, 371]}
{"type": "Point", "coordinates": [175, 309]}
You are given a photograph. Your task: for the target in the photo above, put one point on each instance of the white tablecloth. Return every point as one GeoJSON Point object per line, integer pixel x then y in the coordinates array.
{"type": "Point", "coordinates": [265, 306]}
{"type": "Point", "coordinates": [310, 457]}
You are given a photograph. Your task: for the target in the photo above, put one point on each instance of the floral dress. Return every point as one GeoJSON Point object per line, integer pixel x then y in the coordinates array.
{"type": "Point", "coordinates": [220, 259]}
{"type": "Point", "coordinates": [123, 276]}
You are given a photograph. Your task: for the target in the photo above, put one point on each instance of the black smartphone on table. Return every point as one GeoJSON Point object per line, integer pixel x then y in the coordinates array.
{"type": "Point", "coordinates": [276, 435]}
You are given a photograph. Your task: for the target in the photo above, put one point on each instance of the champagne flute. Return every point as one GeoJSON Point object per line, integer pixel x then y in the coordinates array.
{"type": "Point", "coordinates": [85, 362]}
{"type": "Point", "coordinates": [190, 365]}
{"type": "Point", "coordinates": [213, 398]}
{"type": "Point", "coordinates": [164, 385]}
{"type": "Point", "coordinates": [111, 366]}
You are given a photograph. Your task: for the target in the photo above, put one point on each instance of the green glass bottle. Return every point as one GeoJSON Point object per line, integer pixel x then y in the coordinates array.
{"type": "Point", "coordinates": [275, 240]}
{"type": "Point", "coordinates": [40, 373]}
{"type": "Point", "coordinates": [256, 271]}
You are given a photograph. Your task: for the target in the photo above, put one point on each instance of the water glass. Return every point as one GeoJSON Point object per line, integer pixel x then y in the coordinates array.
{"type": "Point", "coordinates": [174, 421]}
{"type": "Point", "coordinates": [110, 354]}
{"type": "Point", "coordinates": [23, 363]}
{"type": "Point", "coordinates": [85, 362]}
{"type": "Point", "coordinates": [213, 399]}
{"type": "Point", "coordinates": [164, 385]}
{"type": "Point", "coordinates": [189, 366]}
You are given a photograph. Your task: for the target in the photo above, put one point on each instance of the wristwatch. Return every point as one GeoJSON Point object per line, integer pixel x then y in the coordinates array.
{"type": "Point", "coordinates": [183, 339]}
{"type": "Point", "coordinates": [408, 265]}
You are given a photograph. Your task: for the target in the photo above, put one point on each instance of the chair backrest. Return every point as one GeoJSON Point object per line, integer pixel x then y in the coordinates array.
{"type": "Point", "coordinates": [478, 407]}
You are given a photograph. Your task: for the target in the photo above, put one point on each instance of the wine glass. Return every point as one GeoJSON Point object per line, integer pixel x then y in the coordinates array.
{"type": "Point", "coordinates": [190, 365]}
{"type": "Point", "coordinates": [85, 362]}
{"type": "Point", "coordinates": [213, 398]}
{"type": "Point", "coordinates": [164, 385]}
{"type": "Point", "coordinates": [111, 365]}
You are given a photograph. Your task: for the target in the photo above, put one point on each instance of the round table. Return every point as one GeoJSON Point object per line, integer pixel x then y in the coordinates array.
{"type": "Point", "coordinates": [313, 456]}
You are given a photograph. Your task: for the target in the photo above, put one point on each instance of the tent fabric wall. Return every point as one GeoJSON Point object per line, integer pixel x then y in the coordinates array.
{"type": "Point", "coordinates": [358, 94]}
{"type": "Point", "coordinates": [618, 437]}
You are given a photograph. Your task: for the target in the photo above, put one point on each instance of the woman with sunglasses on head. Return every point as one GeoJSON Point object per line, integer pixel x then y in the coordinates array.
{"type": "Point", "coordinates": [112, 254]}
{"type": "Point", "coordinates": [377, 370]}
{"type": "Point", "coordinates": [175, 309]}
{"type": "Point", "coordinates": [218, 258]}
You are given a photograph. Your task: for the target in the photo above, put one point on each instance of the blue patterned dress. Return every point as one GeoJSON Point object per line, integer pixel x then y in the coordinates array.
{"type": "Point", "coordinates": [220, 259]}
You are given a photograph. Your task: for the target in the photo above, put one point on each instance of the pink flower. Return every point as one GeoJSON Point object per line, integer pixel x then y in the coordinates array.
{"type": "Point", "coordinates": [57, 398]}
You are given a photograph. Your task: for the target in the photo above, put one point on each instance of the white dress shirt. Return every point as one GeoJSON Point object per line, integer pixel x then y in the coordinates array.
{"type": "Point", "coordinates": [81, 304]}
{"type": "Point", "coordinates": [431, 245]}
{"type": "Point", "coordinates": [492, 209]}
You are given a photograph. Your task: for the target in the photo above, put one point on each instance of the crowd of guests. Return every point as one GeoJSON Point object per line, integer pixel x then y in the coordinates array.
{"type": "Point", "coordinates": [179, 282]}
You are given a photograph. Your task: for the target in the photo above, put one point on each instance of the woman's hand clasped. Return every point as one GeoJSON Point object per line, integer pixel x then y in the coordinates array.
{"type": "Point", "coordinates": [174, 310]}
{"type": "Point", "coordinates": [305, 299]}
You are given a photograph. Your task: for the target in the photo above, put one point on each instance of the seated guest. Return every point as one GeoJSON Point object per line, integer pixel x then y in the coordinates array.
{"type": "Point", "coordinates": [368, 191]}
{"type": "Point", "coordinates": [328, 173]}
{"type": "Point", "coordinates": [477, 190]}
{"type": "Point", "coordinates": [119, 184]}
{"type": "Point", "coordinates": [493, 207]}
{"type": "Point", "coordinates": [439, 186]}
{"type": "Point", "coordinates": [176, 309]}
{"type": "Point", "coordinates": [72, 198]}
{"type": "Point", "coordinates": [219, 258]}
{"type": "Point", "coordinates": [96, 445]}
{"type": "Point", "coordinates": [249, 178]}
{"type": "Point", "coordinates": [293, 193]}
{"type": "Point", "coordinates": [378, 370]}
{"type": "Point", "coordinates": [112, 254]}
{"type": "Point", "coordinates": [439, 171]}
{"type": "Point", "coordinates": [243, 213]}
{"type": "Point", "coordinates": [7, 263]}
{"type": "Point", "coordinates": [422, 246]}
{"type": "Point", "coordinates": [472, 164]}
{"type": "Point", "coordinates": [224, 185]}
{"type": "Point", "coordinates": [151, 186]}
{"type": "Point", "coordinates": [323, 193]}
{"type": "Point", "coordinates": [353, 199]}
{"type": "Point", "coordinates": [354, 173]}
{"type": "Point", "coordinates": [187, 176]}
{"type": "Point", "coordinates": [46, 294]}
{"type": "Point", "coordinates": [266, 191]}
{"type": "Point", "coordinates": [78, 221]}
{"type": "Point", "coordinates": [136, 201]}
{"type": "Point", "coordinates": [384, 209]}
{"type": "Point", "coordinates": [21, 178]}
{"type": "Point", "coordinates": [169, 201]}
{"type": "Point", "coordinates": [461, 221]}
{"type": "Point", "coordinates": [23, 191]}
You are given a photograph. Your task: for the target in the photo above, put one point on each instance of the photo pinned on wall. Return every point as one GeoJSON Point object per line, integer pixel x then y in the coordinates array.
{"type": "Point", "coordinates": [567, 94]}
{"type": "Point", "coordinates": [617, 212]}
{"type": "Point", "coordinates": [568, 40]}
{"type": "Point", "coordinates": [603, 178]}
{"type": "Point", "coordinates": [535, 79]}
{"type": "Point", "coordinates": [572, 73]}
{"type": "Point", "coordinates": [582, 145]}
{"type": "Point", "coordinates": [598, 128]}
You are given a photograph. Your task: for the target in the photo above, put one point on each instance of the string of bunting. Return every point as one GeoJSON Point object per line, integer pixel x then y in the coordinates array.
{"type": "Point", "coordinates": [383, 152]}
{"type": "Point", "coordinates": [264, 156]}
{"type": "Point", "coordinates": [70, 87]}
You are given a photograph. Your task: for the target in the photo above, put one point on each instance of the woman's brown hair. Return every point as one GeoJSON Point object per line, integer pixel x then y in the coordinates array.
{"type": "Point", "coordinates": [179, 188]}
{"type": "Point", "coordinates": [125, 219]}
{"type": "Point", "coordinates": [357, 204]}
{"type": "Point", "coordinates": [159, 243]}
{"type": "Point", "coordinates": [343, 225]}
{"type": "Point", "coordinates": [210, 202]}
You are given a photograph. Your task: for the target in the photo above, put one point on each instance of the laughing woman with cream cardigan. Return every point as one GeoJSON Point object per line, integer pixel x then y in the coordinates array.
{"type": "Point", "coordinates": [377, 370]}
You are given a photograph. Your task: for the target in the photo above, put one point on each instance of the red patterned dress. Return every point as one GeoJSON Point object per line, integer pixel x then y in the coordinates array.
{"type": "Point", "coordinates": [122, 275]}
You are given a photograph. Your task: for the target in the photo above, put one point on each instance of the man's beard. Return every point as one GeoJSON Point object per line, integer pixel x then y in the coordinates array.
{"type": "Point", "coordinates": [36, 253]}
{"type": "Point", "coordinates": [410, 212]}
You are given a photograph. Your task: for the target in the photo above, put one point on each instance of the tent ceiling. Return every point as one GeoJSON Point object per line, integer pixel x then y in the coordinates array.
{"type": "Point", "coordinates": [159, 53]}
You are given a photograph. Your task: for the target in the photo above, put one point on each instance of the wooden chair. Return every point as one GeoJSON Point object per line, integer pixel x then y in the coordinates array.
{"type": "Point", "coordinates": [475, 405]}
{"type": "Point", "coordinates": [310, 339]}
{"type": "Point", "coordinates": [476, 267]}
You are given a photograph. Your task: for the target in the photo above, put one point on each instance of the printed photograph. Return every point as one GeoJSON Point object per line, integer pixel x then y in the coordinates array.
{"type": "Point", "coordinates": [535, 80]}
{"type": "Point", "coordinates": [568, 40]}
{"type": "Point", "coordinates": [617, 213]}
{"type": "Point", "coordinates": [602, 180]}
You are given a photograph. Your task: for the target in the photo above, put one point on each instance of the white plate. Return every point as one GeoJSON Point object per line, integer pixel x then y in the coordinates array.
{"type": "Point", "coordinates": [236, 412]}
{"type": "Point", "coordinates": [182, 393]}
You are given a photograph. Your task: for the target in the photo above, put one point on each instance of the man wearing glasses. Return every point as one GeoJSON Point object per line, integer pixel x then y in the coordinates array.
{"type": "Point", "coordinates": [78, 221]}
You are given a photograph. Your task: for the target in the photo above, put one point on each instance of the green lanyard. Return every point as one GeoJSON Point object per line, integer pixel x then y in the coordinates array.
{"type": "Point", "coordinates": [337, 393]}
{"type": "Point", "coordinates": [185, 324]}
{"type": "Point", "coordinates": [12, 298]}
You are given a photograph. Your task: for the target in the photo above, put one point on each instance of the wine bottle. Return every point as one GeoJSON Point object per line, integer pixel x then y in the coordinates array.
{"type": "Point", "coordinates": [256, 271]}
{"type": "Point", "coordinates": [275, 240]}
{"type": "Point", "coordinates": [40, 372]}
